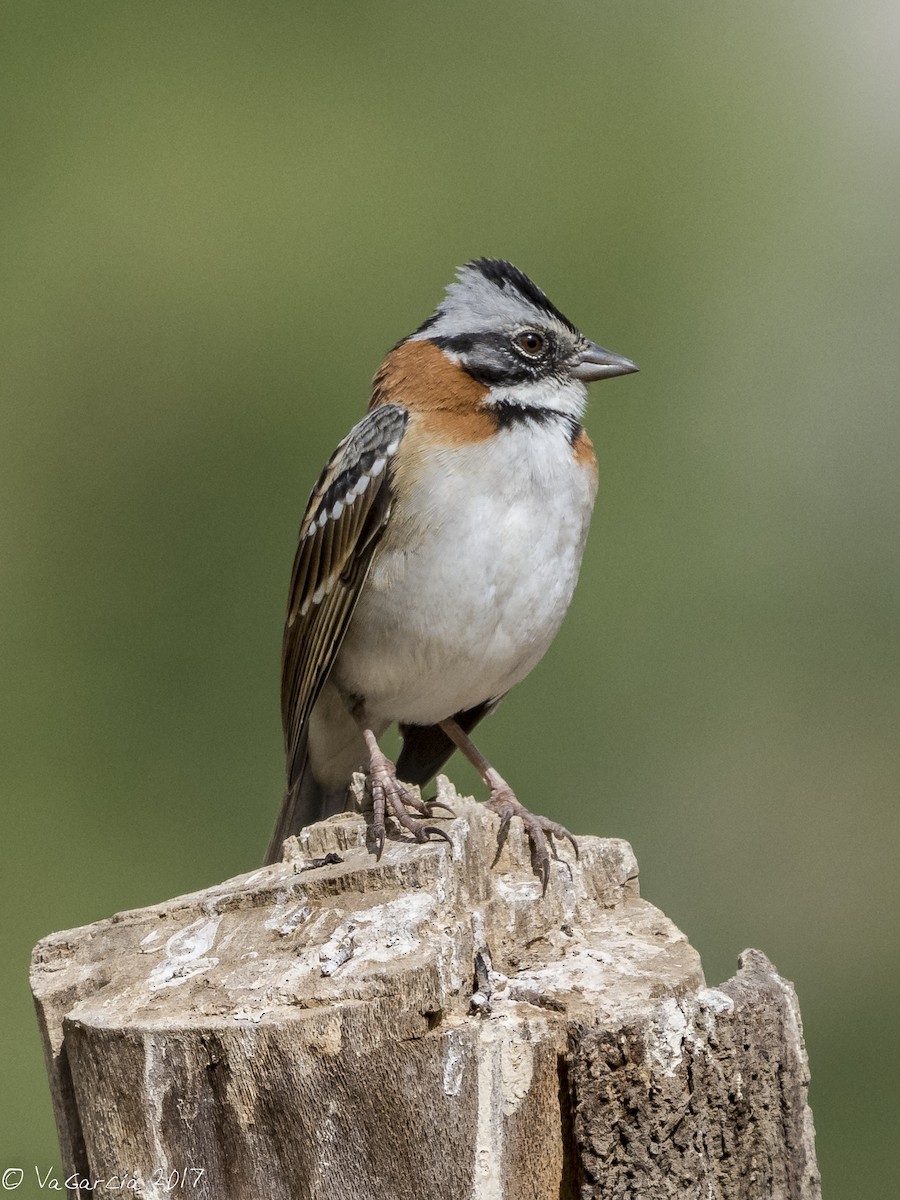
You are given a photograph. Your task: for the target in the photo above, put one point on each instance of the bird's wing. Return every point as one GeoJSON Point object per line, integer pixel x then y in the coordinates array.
{"type": "Point", "coordinates": [344, 520]}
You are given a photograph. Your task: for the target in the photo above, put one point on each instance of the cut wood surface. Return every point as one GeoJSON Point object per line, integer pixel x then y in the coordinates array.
{"type": "Point", "coordinates": [424, 1026]}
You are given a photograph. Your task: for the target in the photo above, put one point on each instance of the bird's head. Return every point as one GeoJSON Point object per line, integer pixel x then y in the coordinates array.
{"type": "Point", "coordinates": [502, 330]}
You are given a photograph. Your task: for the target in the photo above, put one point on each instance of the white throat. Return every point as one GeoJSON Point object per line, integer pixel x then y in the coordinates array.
{"type": "Point", "coordinates": [565, 396]}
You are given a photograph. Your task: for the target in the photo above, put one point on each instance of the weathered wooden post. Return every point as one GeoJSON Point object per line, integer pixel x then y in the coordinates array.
{"type": "Point", "coordinates": [423, 1027]}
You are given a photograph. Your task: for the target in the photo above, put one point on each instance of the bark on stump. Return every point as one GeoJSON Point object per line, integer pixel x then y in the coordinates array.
{"type": "Point", "coordinates": [425, 1026]}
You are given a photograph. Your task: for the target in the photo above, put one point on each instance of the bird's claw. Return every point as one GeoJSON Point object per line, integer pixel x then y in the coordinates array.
{"type": "Point", "coordinates": [378, 838]}
{"type": "Point", "coordinates": [391, 796]}
{"type": "Point", "coordinates": [504, 802]}
{"type": "Point", "coordinates": [432, 804]}
{"type": "Point", "coordinates": [424, 831]}
{"type": "Point", "coordinates": [425, 807]}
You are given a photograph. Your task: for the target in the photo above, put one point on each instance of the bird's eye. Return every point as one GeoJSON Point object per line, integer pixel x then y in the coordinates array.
{"type": "Point", "coordinates": [530, 342]}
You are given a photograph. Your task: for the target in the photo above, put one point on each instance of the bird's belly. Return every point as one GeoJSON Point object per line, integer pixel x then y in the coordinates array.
{"type": "Point", "coordinates": [459, 606]}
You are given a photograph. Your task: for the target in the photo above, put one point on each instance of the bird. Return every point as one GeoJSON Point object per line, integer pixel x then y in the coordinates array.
{"type": "Point", "coordinates": [438, 555]}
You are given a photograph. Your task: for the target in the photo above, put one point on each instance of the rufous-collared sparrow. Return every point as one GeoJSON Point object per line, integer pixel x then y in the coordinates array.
{"type": "Point", "coordinates": [439, 552]}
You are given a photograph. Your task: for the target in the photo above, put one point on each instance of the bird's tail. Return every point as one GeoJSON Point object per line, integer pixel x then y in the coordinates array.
{"type": "Point", "coordinates": [305, 800]}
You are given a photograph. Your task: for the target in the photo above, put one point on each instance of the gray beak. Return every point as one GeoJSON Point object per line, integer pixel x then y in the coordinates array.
{"type": "Point", "coordinates": [593, 362]}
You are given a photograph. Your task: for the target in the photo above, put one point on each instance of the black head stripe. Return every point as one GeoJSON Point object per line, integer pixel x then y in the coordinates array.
{"type": "Point", "coordinates": [509, 415]}
{"type": "Point", "coordinates": [503, 274]}
{"type": "Point", "coordinates": [487, 358]}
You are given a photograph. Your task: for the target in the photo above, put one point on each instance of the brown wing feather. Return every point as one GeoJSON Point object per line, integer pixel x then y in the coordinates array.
{"type": "Point", "coordinates": [344, 519]}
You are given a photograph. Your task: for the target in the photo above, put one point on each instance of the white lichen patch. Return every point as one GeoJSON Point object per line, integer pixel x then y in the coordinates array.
{"type": "Point", "coordinates": [338, 949]}
{"type": "Point", "coordinates": [454, 1063]}
{"type": "Point", "coordinates": [668, 1030]}
{"type": "Point", "coordinates": [712, 1004]}
{"type": "Point", "coordinates": [384, 933]}
{"type": "Point", "coordinates": [516, 1073]}
{"type": "Point", "coordinates": [290, 912]}
{"type": "Point", "coordinates": [186, 954]}
{"type": "Point", "coordinates": [388, 931]}
{"type": "Point", "coordinates": [579, 972]}
{"type": "Point", "coordinates": [505, 1065]}
{"type": "Point", "coordinates": [715, 1001]}
{"type": "Point", "coordinates": [453, 960]}
{"type": "Point", "coordinates": [156, 1084]}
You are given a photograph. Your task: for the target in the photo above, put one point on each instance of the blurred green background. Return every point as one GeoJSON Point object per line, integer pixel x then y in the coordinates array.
{"type": "Point", "coordinates": [216, 218]}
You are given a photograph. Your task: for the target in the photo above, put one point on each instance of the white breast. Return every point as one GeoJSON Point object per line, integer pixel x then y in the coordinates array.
{"type": "Point", "coordinates": [470, 584]}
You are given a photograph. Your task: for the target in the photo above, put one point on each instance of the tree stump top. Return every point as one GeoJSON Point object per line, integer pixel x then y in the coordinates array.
{"type": "Point", "coordinates": [426, 1025]}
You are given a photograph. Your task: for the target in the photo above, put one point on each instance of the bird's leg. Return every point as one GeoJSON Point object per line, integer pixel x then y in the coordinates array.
{"type": "Point", "coordinates": [503, 801]}
{"type": "Point", "coordinates": [390, 795]}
